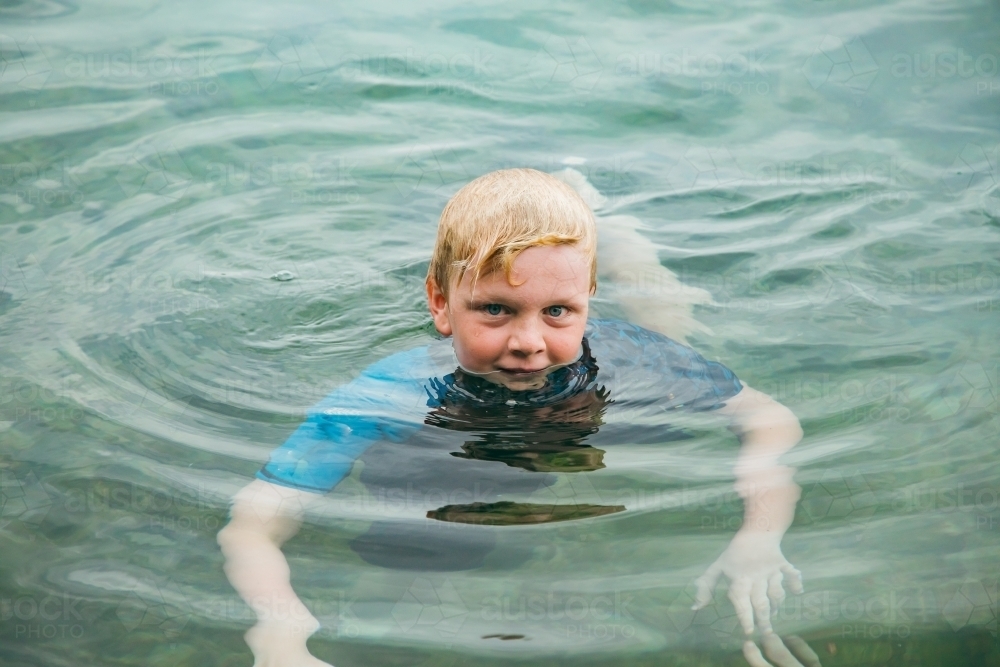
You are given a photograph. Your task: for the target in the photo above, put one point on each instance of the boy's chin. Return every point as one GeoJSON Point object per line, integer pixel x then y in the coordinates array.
{"type": "Point", "coordinates": [516, 382]}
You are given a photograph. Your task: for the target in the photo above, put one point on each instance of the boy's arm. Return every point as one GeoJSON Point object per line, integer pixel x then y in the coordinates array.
{"type": "Point", "coordinates": [264, 516]}
{"type": "Point", "coordinates": [384, 402]}
{"type": "Point", "coordinates": [753, 562]}
{"type": "Point", "coordinates": [766, 430]}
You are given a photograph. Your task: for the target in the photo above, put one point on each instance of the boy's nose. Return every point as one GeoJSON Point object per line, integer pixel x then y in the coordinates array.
{"type": "Point", "coordinates": [526, 340]}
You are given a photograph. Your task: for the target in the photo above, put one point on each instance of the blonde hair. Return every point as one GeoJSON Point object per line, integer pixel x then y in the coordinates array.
{"type": "Point", "coordinates": [494, 218]}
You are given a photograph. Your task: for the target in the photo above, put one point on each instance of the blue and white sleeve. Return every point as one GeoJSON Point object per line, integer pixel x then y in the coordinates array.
{"type": "Point", "coordinates": [386, 402]}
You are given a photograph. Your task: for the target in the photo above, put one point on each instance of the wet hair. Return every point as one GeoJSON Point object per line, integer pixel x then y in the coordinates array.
{"type": "Point", "coordinates": [492, 219]}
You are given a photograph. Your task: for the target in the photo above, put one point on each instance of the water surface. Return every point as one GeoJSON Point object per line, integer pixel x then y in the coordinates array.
{"type": "Point", "coordinates": [212, 214]}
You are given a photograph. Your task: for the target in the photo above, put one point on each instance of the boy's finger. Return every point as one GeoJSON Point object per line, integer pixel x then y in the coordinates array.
{"type": "Point", "coordinates": [761, 606]}
{"type": "Point", "coordinates": [802, 651]}
{"type": "Point", "coordinates": [706, 586]}
{"type": "Point", "coordinates": [753, 656]}
{"type": "Point", "coordinates": [739, 595]}
{"type": "Point", "coordinates": [775, 591]}
{"type": "Point", "coordinates": [777, 652]}
{"type": "Point", "coordinates": [794, 578]}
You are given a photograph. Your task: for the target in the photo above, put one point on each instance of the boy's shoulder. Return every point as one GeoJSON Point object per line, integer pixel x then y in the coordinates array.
{"type": "Point", "coordinates": [632, 344]}
{"type": "Point", "coordinates": [599, 328]}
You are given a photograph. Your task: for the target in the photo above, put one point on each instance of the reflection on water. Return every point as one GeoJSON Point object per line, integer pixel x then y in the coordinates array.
{"type": "Point", "coordinates": [507, 513]}
{"type": "Point", "coordinates": [538, 431]}
{"type": "Point", "coordinates": [160, 164]}
{"type": "Point", "coordinates": [555, 457]}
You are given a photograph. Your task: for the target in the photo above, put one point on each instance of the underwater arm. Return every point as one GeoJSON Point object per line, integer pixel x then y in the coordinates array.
{"type": "Point", "coordinates": [264, 516]}
{"type": "Point", "coordinates": [382, 403]}
{"type": "Point", "coordinates": [753, 562]}
{"type": "Point", "coordinates": [766, 430]}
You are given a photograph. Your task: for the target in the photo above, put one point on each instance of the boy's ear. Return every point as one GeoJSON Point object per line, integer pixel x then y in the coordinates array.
{"type": "Point", "coordinates": [438, 305]}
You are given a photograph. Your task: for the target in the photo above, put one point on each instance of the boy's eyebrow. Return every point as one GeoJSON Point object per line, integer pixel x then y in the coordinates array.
{"type": "Point", "coordinates": [477, 302]}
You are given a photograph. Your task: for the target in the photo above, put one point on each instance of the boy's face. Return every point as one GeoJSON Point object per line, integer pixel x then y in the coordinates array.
{"type": "Point", "coordinates": [517, 335]}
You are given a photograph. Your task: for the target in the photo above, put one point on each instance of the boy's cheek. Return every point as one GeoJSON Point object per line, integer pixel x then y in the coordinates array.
{"type": "Point", "coordinates": [567, 344]}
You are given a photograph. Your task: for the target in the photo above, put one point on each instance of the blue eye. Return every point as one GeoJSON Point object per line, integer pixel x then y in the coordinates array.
{"type": "Point", "coordinates": [493, 308]}
{"type": "Point", "coordinates": [556, 311]}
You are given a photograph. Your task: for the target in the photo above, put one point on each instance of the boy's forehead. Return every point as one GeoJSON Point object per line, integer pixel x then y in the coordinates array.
{"type": "Point", "coordinates": [538, 283]}
{"type": "Point", "coordinates": [562, 291]}
{"type": "Point", "coordinates": [538, 263]}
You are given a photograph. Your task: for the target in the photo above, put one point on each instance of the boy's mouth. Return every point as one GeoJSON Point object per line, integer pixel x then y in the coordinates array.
{"type": "Point", "coordinates": [524, 379]}
{"type": "Point", "coordinates": [518, 379]}
{"type": "Point", "coordinates": [523, 371]}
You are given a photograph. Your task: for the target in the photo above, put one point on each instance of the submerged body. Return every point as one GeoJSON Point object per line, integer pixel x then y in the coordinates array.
{"type": "Point", "coordinates": [441, 443]}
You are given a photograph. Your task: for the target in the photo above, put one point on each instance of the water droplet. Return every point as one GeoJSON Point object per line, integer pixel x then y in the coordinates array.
{"type": "Point", "coordinates": [283, 276]}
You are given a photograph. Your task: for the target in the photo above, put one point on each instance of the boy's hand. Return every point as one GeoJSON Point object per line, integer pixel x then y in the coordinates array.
{"type": "Point", "coordinates": [283, 644]}
{"type": "Point", "coordinates": [756, 568]}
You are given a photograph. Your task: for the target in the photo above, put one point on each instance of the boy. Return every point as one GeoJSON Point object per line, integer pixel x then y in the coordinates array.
{"type": "Point", "coordinates": [534, 384]}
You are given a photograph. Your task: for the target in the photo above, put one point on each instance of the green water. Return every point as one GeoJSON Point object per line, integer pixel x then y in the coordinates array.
{"type": "Point", "coordinates": [212, 214]}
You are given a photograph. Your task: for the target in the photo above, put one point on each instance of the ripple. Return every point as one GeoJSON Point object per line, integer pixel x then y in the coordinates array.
{"type": "Point", "coordinates": [20, 125]}
{"type": "Point", "coordinates": [36, 9]}
{"type": "Point", "coordinates": [153, 346]}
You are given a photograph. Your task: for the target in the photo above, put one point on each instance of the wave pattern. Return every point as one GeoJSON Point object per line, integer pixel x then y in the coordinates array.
{"type": "Point", "coordinates": [209, 224]}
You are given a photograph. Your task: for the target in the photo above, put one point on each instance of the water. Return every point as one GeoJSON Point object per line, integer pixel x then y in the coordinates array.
{"type": "Point", "coordinates": [211, 214]}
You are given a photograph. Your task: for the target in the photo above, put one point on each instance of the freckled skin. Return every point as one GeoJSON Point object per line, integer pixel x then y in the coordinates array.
{"type": "Point", "coordinates": [515, 334]}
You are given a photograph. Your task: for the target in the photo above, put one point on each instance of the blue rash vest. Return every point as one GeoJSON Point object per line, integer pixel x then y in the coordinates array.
{"type": "Point", "coordinates": [437, 427]}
